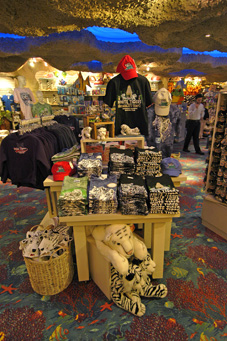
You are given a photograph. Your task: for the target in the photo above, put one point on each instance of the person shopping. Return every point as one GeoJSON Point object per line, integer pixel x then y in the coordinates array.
{"type": "Point", "coordinates": [196, 113]}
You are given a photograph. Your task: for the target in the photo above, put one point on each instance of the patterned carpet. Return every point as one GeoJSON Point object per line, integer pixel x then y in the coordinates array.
{"type": "Point", "coordinates": [195, 274]}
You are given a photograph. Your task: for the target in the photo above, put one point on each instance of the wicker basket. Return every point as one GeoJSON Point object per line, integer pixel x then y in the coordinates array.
{"type": "Point", "coordinates": [52, 276]}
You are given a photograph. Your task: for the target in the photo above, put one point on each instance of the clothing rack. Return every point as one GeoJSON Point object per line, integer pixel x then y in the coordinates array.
{"type": "Point", "coordinates": [46, 118]}
{"type": "Point", "coordinates": [24, 123]}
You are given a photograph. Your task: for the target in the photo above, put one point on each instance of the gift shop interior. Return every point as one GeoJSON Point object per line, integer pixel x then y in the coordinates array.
{"type": "Point", "coordinates": [113, 171]}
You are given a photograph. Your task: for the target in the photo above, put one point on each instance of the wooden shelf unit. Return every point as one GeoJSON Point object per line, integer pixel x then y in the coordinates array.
{"type": "Point", "coordinates": [214, 212]}
{"type": "Point", "coordinates": [139, 139]}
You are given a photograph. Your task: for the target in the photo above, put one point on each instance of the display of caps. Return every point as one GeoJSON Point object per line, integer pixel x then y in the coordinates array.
{"type": "Point", "coordinates": [62, 168]}
{"type": "Point", "coordinates": [171, 166]}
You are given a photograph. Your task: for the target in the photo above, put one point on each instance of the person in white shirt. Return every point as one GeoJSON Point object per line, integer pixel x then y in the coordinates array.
{"type": "Point", "coordinates": [196, 113]}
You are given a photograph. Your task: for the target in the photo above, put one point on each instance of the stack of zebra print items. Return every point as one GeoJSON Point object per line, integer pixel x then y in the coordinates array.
{"type": "Point", "coordinates": [148, 161]}
{"type": "Point", "coordinates": [163, 196]}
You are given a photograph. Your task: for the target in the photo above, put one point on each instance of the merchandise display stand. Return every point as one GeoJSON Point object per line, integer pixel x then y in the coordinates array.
{"type": "Point", "coordinates": [215, 222]}
{"type": "Point", "coordinates": [53, 190]}
{"type": "Point", "coordinates": [139, 139]}
{"type": "Point", "coordinates": [96, 125]}
{"type": "Point", "coordinates": [156, 227]}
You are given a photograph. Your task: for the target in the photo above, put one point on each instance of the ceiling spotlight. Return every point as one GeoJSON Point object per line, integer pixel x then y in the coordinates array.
{"type": "Point", "coordinates": [207, 35]}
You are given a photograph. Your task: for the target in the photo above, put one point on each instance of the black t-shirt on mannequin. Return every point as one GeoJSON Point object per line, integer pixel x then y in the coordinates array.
{"type": "Point", "coordinates": [132, 96]}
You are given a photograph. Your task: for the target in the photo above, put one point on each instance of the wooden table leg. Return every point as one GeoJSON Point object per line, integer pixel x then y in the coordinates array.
{"type": "Point", "coordinates": [168, 235]}
{"type": "Point", "coordinates": [147, 234]}
{"type": "Point", "coordinates": [80, 241]}
{"type": "Point", "coordinates": [83, 146]}
{"type": "Point", "coordinates": [49, 205]}
{"type": "Point", "coordinates": [157, 248]}
{"type": "Point", "coordinates": [54, 204]}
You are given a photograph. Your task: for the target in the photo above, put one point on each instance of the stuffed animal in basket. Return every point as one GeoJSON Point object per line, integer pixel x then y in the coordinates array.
{"type": "Point", "coordinates": [131, 267]}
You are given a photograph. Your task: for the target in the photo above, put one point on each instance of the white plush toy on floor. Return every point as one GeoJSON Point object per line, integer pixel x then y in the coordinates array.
{"type": "Point", "coordinates": [131, 267]}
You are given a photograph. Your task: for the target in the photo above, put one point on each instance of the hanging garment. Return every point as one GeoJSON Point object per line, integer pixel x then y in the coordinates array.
{"type": "Point", "coordinates": [162, 129]}
{"type": "Point", "coordinates": [132, 98]}
{"type": "Point", "coordinates": [26, 159]}
{"type": "Point", "coordinates": [70, 121]}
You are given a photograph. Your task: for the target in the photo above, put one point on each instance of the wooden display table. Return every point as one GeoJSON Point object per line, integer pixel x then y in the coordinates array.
{"type": "Point", "coordinates": [139, 139]}
{"type": "Point", "coordinates": [156, 227]}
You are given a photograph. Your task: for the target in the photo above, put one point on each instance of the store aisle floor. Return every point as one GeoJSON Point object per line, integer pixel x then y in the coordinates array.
{"type": "Point", "coordinates": [195, 273]}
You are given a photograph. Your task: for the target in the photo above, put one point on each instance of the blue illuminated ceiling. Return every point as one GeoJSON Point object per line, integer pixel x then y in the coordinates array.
{"type": "Point", "coordinates": [115, 35]}
{"type": "Point", "coordinates": [104, 48]}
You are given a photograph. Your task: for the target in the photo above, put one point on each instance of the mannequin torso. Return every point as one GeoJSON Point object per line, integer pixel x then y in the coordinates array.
{"type": "Point", "coordinates": [24, 97]}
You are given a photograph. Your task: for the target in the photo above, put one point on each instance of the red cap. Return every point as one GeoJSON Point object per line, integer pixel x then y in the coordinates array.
{"type": "Point", "coordinates": [62, 168]}
{"type": "Point", "coordinates": [127, 68]}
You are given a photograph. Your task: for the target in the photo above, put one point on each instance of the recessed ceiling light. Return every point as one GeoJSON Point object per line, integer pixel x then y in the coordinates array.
{"type": "Point", "coordinates": [207, 35]}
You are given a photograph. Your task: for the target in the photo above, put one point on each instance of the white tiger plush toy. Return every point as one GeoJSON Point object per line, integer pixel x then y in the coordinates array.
{"type": "Point", "coordinates": [131, 267]}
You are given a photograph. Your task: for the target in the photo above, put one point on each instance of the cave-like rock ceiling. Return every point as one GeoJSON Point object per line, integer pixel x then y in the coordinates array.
{"type": "Point", "coordinates": [55, 31]}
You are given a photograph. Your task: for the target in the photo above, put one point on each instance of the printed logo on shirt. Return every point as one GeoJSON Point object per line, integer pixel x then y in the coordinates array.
{"type": "Point", "coordinates": [20, 149]}
{"type": "Point", "coordinates": [129, 101]}
{"type": "Point", "coordinates": [26, 98]}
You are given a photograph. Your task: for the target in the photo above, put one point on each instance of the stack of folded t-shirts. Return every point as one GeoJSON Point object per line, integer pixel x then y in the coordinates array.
{"type": "Point", "coordinates": [68, 154]}
{"type": "Point", "coordinates": [121, 161]}
{"type": "Point", "coordinates": [103, 194]}
{"type": "Point", "coordinates": [89, 164]}
{"type": "Point", "coordinates": [163, 196]}
{"type": "Point", "coordinates": [132, 194]}
{"type": "Point", "coordinates": [73, 197]}
{"type": "Point", "coordinates": [148, 161]}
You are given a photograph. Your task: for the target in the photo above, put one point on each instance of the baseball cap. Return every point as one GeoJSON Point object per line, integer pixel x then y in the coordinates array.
{"type": "Point", "coordinates": [127, 67]}
{"type": "Point", "coordinates": [162, 100]}
{"type": "Point", "coordinates": [62, 168]}
{"type": "Point", "coordinates": [171, 166]}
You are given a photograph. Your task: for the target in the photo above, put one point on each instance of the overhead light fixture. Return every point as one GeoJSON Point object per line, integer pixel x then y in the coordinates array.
{"type": "Point", "coordinates": [207, 35]}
